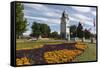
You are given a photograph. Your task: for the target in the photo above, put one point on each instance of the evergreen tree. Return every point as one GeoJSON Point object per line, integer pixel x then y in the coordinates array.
{"type": "Point", "coordinates": [73, 31]}
{"type": "Point", "coordinates": [87, 34]}
{"type": "Point", "coordinates": [21, 22]}
{"type": "Point", "coordinates": [80, 33]}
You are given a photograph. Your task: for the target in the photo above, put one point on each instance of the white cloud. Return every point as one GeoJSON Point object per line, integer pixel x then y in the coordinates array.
{"type": "Point", "coordinates": [47, 12]}
{"type": "Point", "coordinates": [52, 14]}
{"type": "Point", "coordinates": [94, 13]}
{"type": "Point", "coordinates": [82, 9]}
{"type": "Point", "coordinates": [46, 20]}
{"type": "Point", "coordinates": [73, 19]}
{"type": "Point", "coordinates": [37, 6]}
{"type": "Point", "coordinates": [36, 18]}
{"type": "Point", "coordinates": [81, 18]}
{"type": "Point", "coordinates": [56, 21]}
{"type": "Point", "coordinates": [42, 7]}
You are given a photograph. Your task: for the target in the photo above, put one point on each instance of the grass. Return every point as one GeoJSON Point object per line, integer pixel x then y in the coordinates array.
{"type": "Point", "coordinates": [89, 54]}
{"type": "Point", "coordinates": [34, 44]}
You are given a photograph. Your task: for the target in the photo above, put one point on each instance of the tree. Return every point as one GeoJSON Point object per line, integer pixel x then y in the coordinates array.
{"type": "Point", "coordinates": [21, 22]}
{"type": "Point", "coordinates": [55, 34]}
{"type": "Point", "coordinates": [40, 29]}
{"type": "Point", "coordinates": [87, 34]}
{"type": "Point", "coordinates": [73, 31]}
{"type": "Point", "coordinates": [45, 30]}
{"type": "Point", "coordinates": [36, 29]}
{"type": "Point", "coordinates": [80, 33]}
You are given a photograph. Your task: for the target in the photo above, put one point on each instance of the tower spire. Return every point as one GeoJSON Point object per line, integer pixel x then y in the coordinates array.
{"type": "Point", "coordinates": [64, 14]}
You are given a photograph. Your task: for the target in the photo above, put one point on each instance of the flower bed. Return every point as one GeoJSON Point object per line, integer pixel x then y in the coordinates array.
{"type": "Point", "coordinates": [80, 45]}
{"type": "Point", "coordinates": [22, 61]}
{"type": "Point", "coordinates": [54, 53]}
{"type": "Point", "coordinates": [61, 56]}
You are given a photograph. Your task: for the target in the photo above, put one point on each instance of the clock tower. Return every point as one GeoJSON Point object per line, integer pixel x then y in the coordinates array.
{"type": "Point", "coordinates": [64, 26]}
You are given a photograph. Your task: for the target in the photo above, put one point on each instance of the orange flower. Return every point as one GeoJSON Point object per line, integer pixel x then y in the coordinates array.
{"type": "Point", "coordinates": [22, 61]}
{"type": "Point", "coordinates": [60, 56]}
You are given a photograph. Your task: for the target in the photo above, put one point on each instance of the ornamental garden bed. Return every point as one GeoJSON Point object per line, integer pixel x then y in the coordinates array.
{"type": "Point", "coordinates": [50, 53]}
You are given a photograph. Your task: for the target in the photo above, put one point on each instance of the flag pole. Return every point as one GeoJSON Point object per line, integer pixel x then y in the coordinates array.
{"type": "Point", "coordinates": [94, 28]}
{"type": "Point", "coordinates": [93, 31]}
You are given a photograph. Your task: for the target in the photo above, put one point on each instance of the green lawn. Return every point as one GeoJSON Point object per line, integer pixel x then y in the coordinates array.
{"type": "Point", "coordinates": [34, 44]}
{"type": "Point", "coordinates": [89, 54]}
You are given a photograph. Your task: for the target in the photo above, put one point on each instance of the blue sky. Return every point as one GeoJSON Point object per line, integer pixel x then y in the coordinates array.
{"type": "Point", "coordinates": [51, 14]}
